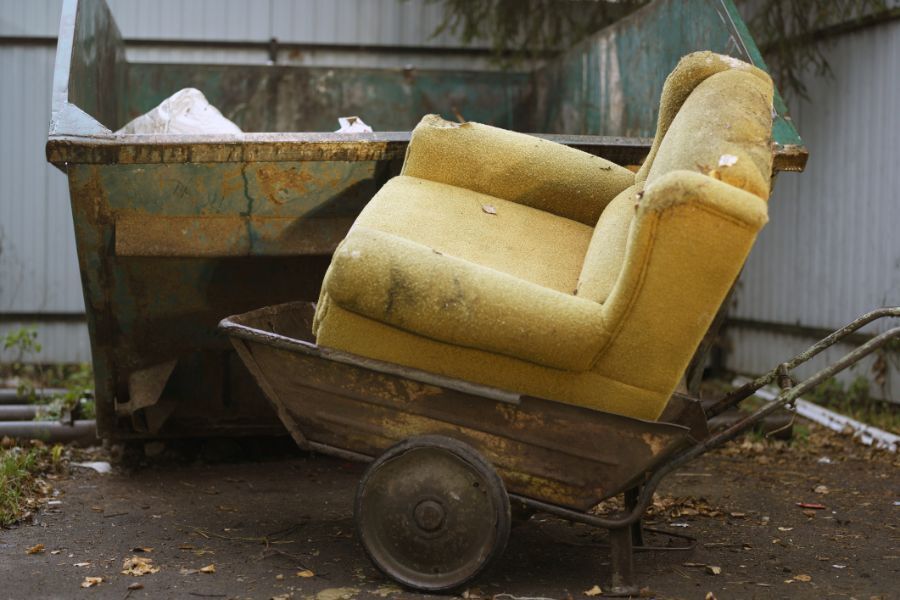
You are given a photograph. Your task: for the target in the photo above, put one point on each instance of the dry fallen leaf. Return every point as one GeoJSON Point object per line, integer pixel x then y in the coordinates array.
{"type": "Point", "coordinates": [279, 577]}
{"type": "Point", "coordinates": [821, 489]}
{"type": "Point", "coordinates": [713, 570]}
{"type": "Point", "coordinates": [803, 578]}
{"type": "Point", "coordinates": [594, 591]}
{"type": "Point", "coordinates": [185, 571]}
{"type": "Point", "coordinates": [489, 209]}
{"type": "Point", "coordinates": [305, 573]}
{"type": "Point", "coordinates": [136, 586]}
{"type": "Point", "coordinates": [81, 564]}
{"type": "Point", "coordinates": [710, 596]}
{"type": "Point", "coordinates": [142, 549]}
{"type": "Point", "coordinates": [812, 505]}
{"type": "Point", "coordinates": [91, 581]}
{"type": "Point", "coordinates": [208, 569]}
{"type": "Point", "coordinates": [785, 529]}
{"type": "Point", "coordinates": [36, 549]}
{"type": "Point", "coordinates": [138, 566]}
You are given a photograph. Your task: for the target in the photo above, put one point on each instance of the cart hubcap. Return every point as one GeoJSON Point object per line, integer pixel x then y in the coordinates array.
{"type": "Point", "coordinates": [432, 513]}
{"type": "Point", "coordinates": [429, 515]}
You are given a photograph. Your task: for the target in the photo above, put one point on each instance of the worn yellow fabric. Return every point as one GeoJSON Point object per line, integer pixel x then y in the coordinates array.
{"type": "Point", "coordinates": [716, 105]}
{"type": "Point", "coordinates": [606, 252]}
{"type": "Point", "coordinates": [687, 244]}
{"type": "Point", "coordinates": [516, 167]}
{"type": "Point", "coordinates": [401, 283]}
{"type": "Point", "coordinates": [527, 243]}
{"type": "Point", "coordinates": [367, 337]}
{"type": "Point", "coordinates": [418, 281]}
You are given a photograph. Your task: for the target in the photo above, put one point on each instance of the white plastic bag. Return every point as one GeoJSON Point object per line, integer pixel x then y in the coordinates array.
{"type": "Point", "coordinates": [187, 111]}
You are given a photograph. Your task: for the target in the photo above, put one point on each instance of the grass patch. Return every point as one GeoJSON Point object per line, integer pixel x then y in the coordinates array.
{"type": "Point", "coordinates": [22, 468]}
{"type": "Point", "coordinates": [76, 401]}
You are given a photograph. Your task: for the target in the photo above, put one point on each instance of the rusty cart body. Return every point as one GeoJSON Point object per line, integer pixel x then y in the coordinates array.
{"type": "Point", "coordinates": [432, 439]}
{"type": "Point", "coordinates": [175, 232]}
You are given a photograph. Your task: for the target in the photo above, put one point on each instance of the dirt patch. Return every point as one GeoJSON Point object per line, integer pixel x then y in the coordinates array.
{"type": "Point", "coordinates": [284, 528]}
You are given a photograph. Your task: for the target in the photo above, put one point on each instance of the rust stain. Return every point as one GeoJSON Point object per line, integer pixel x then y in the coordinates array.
{"type": "Point", "coordinates": [657, 443]}
{"type": "Point", "coordinates": [518, 419]}
{"type": "Point", "coordinates": [279, 184]}
{"type": "Point", "coordinates": [233, 184]}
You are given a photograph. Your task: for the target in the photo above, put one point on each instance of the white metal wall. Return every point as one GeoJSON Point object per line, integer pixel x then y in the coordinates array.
{"type": "Point", "coordinates": [38, 267]}
{"type": "Point", "coordinates": [831, 250]}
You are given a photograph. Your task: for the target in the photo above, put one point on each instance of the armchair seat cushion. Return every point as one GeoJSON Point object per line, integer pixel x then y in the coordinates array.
{"type": "Point", "coordinates": [367, 337]}
{"type": "Point", "coordinates": [525, 242]}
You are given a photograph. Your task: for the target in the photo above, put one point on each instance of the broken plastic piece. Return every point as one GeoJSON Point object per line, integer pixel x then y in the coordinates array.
{"type": "Point", "coordinates": [353, 125]}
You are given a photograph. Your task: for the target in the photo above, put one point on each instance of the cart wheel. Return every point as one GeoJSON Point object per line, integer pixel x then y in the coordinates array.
{"type": "Point", "coordinates": [432, 513]}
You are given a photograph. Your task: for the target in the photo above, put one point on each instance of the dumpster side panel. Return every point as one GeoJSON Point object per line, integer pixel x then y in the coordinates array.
{"type": "Point", "coordinates": [96, 75]}
{"type": "Point", "coordinates": [264, 98]}
{"type": "Point", "coordinates": [612, 81]}
{"type": "Point", "coordinates": [166, 251]}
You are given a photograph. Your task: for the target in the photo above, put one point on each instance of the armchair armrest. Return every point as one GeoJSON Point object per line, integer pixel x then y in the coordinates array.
{"type": "Point", "coordinates": [516, 167]}
{"type": "Point", "coordinates": [688, 243]}
{"type": "Point", "coordinates": [412, 287]}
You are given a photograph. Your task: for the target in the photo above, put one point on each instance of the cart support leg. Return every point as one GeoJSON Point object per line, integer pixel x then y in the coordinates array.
{"type": "Point", "coordinates": [637, 528]}
{"type": "Point", "coordinates": [622, 563]}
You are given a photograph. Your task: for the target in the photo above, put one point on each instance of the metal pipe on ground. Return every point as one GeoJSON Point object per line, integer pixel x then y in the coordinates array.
{"type": "Point", "coordinates": [82, 431]}
{"type": "Point", "coordinates": [20, 412]}
{"type": "Point", "coordinates": [11, 395]}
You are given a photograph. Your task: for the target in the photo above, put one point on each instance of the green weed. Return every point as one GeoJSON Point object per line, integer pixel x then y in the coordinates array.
{"type": "Point", "coordinates": [21, 483]}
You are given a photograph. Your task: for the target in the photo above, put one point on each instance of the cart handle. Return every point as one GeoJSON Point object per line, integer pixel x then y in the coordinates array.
{"type": "Point", "coordinates": [788, 395]}
{"type": "Point", "coordinates": [781, 373]}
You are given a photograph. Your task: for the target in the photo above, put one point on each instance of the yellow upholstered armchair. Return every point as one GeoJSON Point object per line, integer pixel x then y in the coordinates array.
{"type": "Point", "coordinates": [514, 262]}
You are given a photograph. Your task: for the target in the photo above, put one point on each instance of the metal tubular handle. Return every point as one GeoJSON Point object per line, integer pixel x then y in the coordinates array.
{"type": "Point", "coordinates": [787, 396]}
{"type": "Point", "coordinates": [748, 389]}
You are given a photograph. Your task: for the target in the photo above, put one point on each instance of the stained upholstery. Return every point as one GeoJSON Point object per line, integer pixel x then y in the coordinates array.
{"type": "Point", "coordinates": [514, 262]}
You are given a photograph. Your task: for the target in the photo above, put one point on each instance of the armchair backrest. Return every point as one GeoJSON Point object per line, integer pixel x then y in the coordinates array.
{"type": "Point", "coordinates": [715, 118]}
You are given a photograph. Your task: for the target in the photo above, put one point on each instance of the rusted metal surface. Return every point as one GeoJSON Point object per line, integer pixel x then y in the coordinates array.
{"type": "Point", "coordinates": [288, 147]}
{"type": "Point", "coordinates": [687, 411]}
{"type": "Point", "coordinates": [222, 235]}
{"type": "Point", "coordinates": [561, 454]}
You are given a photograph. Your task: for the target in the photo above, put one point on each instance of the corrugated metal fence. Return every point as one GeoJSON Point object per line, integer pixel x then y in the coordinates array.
{"type": "Point", "coordinates": [831, 250]}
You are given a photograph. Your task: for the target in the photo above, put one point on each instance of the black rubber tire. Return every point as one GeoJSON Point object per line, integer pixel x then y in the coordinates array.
{"type": "Point", "coordinates": [432, 514]}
